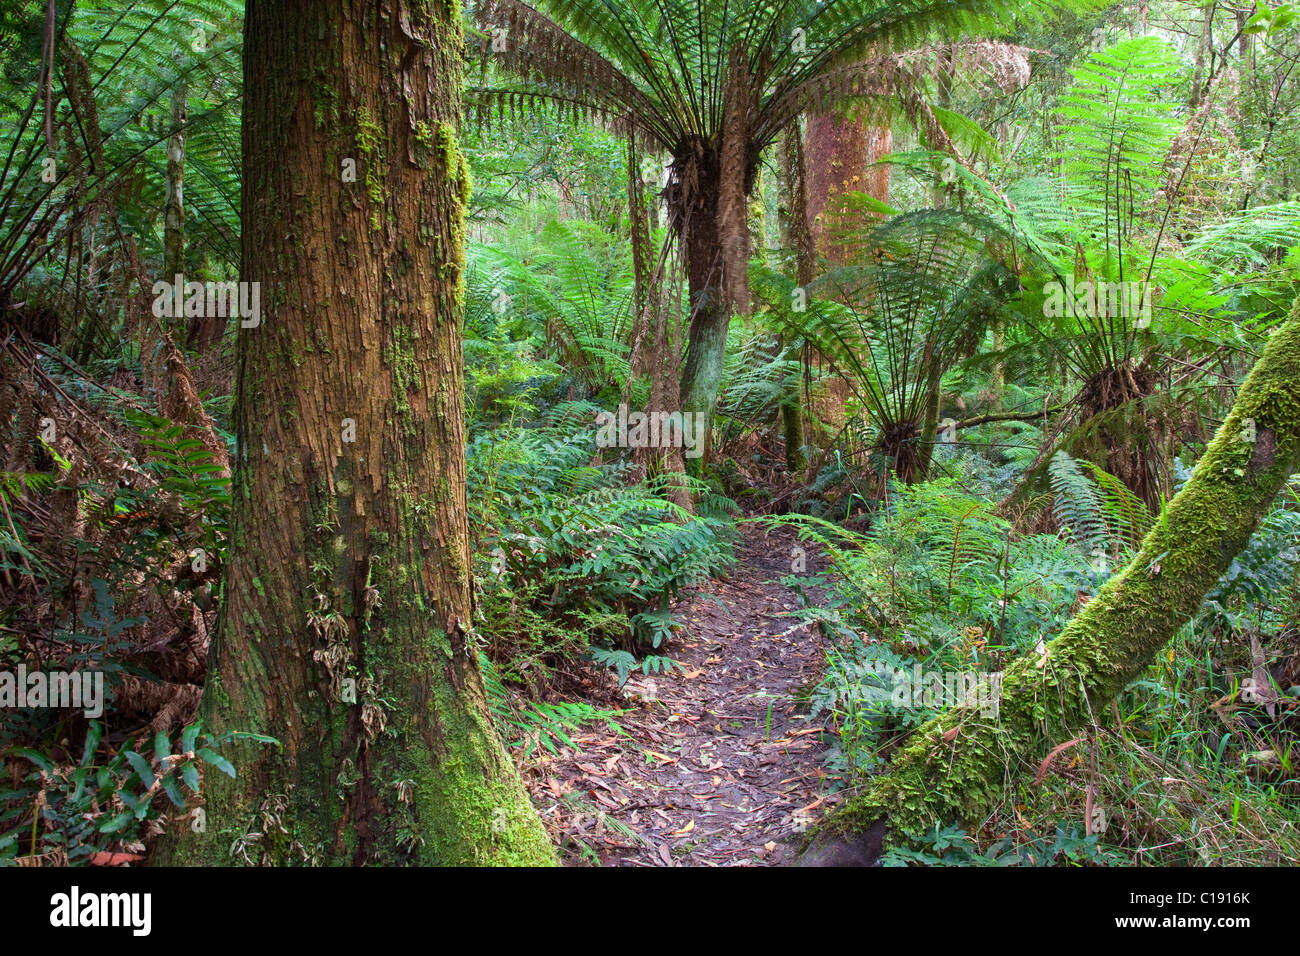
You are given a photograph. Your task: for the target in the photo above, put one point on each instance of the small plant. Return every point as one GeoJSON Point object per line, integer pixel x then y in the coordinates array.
{"type": "Point", "coordinates": [539, 722]}
{"type": "Point", "coordinates": [952, 846]}
{"type": "Point", "coordinates": [72, 812]}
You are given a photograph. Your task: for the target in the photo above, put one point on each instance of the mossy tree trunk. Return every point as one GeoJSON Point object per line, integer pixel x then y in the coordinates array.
{"type": "Point", "coordinates": [956, 767]}
{"type": "Point", "coordinates": [706, 344]}
{"type": "Point", "coordinates": [345, 629]}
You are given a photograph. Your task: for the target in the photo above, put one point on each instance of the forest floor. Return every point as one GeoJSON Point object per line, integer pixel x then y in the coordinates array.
{"type": "Point", "coordinates": [718, 763]}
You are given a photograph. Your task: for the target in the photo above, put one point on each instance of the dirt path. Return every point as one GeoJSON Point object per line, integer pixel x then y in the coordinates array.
{"type": "Point", "coordinates": [720, 763]}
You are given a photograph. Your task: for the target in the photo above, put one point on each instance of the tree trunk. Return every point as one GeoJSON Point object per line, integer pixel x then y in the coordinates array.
{"type": "Point", "coordinates": [845, 150]}
{"type": "Point", "coordinates": [174, 211]}
{"type": "Point", "coordinates": [345, 629]}
{"type": "Point", "coordinates": [797, 240]}
{"type": "Point", "coordinates": [1204, 49]}
{"type": "Point", "coordinates": [929, 431]}
{"type": "Point", "coordinates": [174, 204]}
{"type": "Point", "coordinates": [956, 767]}
{"type": "Point", "coordinates": [842, 151]}
{"type": "Point", "coordinates": [706, 343]}
{"type": "Point", "coordinates": [998, 376]}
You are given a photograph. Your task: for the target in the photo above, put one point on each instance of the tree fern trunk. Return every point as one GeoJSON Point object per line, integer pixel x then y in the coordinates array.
{"type": "Point", "coordinates": [174, 208]}
{"type": "Point", "coordinates": [706, 343]}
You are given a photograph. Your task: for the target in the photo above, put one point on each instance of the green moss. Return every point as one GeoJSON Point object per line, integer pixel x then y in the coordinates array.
{"type": "Point", "coordinates": [325, 107]}
{"type": "Point", "coordinates": [456, 171]}
{"type": "Point", "coordinates": [399, 356]}
{"type": "Point", "coordinates": [368, 138]}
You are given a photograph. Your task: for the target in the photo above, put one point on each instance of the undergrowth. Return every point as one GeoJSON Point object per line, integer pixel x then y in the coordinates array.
{"type": "Point", "coordinates": [1195, 763]}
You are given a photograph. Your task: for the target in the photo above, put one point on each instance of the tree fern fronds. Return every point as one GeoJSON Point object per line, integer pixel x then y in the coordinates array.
{"type": "Point", "coordinates": [1103, 515]}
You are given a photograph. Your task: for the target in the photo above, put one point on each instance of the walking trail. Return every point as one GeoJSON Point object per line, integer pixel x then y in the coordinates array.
{"type": "Point", "coordinates": [718, 763]}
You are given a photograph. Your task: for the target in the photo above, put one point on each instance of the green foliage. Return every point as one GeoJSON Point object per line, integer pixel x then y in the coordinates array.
{"type": "Point", "coordinates": [561, 536]}
{"type": "Point", "coordinates": [952, 846]}
{"type": "Point", "coordinates": [622, 663]}
{"type": "Point", "coordinates": [1116, 131]}
{"type": "Point", "coordinates": [941, 582]}
{"type": "Point", "coordinates": [189, 469]}
{"type": "Point", "coordinates": [68, 811]}
{"type": "Point", "coordinates": [909, 594]}
{"type": "Point", "coordinates": [1102, 516]}
{"type": "Point", "coordinates": [116, 70]}
{"type": "Point", "coordinates": [545, 320]}
{"type": "Point", "coordinates": [517, 166]}
{"type": "Point", "coordinates": [1266, 569]}
{"type": "Point", "coordinates": [1249, 240]}
{"type": "Point", "coordinates": [894, 324]}
{"type": "Point", "coordinates": [664, 71]}
{"type": "Point", "coordinates": [529, 723]}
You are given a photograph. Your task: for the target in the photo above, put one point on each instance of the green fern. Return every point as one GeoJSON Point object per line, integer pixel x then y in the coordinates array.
{"type": "Point", "coordinates": [1103, 516]}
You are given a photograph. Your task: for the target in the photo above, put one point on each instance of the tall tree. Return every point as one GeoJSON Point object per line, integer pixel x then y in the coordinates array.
{"type": "Point", "coordinates": [844, 149]}
{"type": "Point", "coordinates": [346, 629]}
{"type": "Point", "coordinates": [956, 766]}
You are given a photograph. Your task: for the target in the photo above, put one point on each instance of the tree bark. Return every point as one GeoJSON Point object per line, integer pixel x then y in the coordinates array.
{"type": "Point", "coordinates": [956, 767]}
{"type": "Point", "coordinates": [929, 431]}
{"type": "Point", "coordinates": [706, 343]}
{"type": "Point", "coordinates": [797, 239]}
{"type": "Point", "coordinates": [346, 626]}
{"type": "Point", "coordinates": [841, 152]}
{"type": "Point", "coordinates": [998, 375]}
{"type": "Point", "coordinates": [1204, 49]}
{"type": "Point", "coordinates": [845, 150]}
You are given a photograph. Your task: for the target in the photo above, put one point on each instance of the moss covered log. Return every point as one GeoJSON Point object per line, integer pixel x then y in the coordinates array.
{"type": "Point", "coordinates": [957, 766]}
{"type": "Point", "coordinates": [346, 626]}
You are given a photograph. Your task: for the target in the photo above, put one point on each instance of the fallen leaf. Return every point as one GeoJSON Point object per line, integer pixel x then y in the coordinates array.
{"type": "Point", "coordinates": [102, 858]}
{"type": "Point", "coordinates": [685, 830]}
{"type": "Point", "coordinates": [812, 806]}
